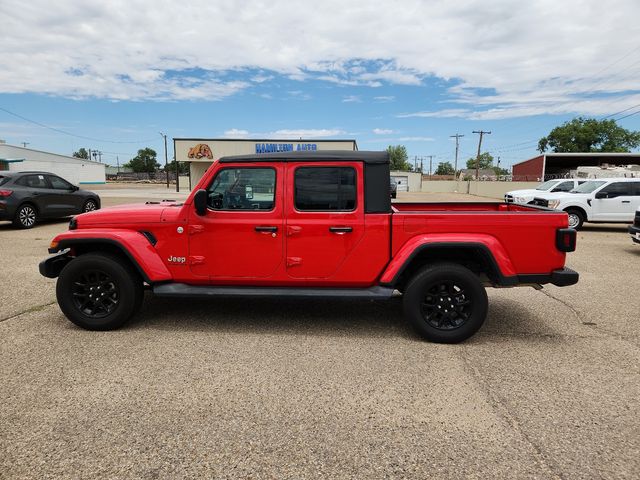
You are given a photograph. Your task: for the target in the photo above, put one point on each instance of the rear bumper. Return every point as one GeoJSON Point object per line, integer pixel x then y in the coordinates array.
{"type": "Point", "coordinates": [563, 277]}
{"type": "Point", "coordinates": [635, 233]}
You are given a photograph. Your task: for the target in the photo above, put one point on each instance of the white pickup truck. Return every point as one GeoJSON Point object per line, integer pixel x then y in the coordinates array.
{"type": "Point", "coordinates": [550, 186]}
{"type": "Point", "coordinates": [605, 200]}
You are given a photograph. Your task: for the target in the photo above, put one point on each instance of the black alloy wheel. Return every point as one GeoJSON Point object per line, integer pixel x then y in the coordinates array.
{"type": "Point", "coordinates": [445, 305]}
{"type": "Point", "coordinates": [445, 302]}
{"type": "Point", "coordinates": [95, 294]}
{"type": "Point", "coordinates": [99, 291]}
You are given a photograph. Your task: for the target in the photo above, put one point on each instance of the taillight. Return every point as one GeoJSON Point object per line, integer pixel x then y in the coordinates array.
{"type": "Point", "coordinates": [5, 193]}
{"type": "Point", "coordinates": [566, 239]}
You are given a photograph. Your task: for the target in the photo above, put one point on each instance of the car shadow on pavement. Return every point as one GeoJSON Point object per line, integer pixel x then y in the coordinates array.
{"type": "Point", "coordinates": [608, 227]}
{"type": "Point", "coordinates": [40, 223]}
{"type": "Point", "coordinates": [321, 317]}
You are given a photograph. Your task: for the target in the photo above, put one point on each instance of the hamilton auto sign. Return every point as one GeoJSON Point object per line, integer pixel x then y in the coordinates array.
{"type": "Point", "coordinates": [284, 147]}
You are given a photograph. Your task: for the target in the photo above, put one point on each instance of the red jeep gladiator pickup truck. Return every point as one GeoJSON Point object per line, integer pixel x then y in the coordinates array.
{"type": "Point", "coordinates": [307, 224]}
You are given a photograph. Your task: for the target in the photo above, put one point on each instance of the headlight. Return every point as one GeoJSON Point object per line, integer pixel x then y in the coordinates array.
{"type": "Point", "coordinates": [554, 203]}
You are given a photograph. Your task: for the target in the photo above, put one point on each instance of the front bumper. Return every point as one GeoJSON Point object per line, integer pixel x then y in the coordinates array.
{"type": "Point", "coordinates": [52, 266]}
{"type": "Point", "coordinates": [635, 233]}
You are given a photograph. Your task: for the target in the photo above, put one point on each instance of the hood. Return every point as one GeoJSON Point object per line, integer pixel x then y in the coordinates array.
{"type": "Point", "coordinates": [524, 192]}
{"type": "Point", "coordinates": [556, 195]}
{"type": "Point", "coordinates": [126, 214]}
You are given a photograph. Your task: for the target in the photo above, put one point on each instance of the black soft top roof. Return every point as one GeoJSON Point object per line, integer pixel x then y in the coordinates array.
{"type": "Point", "coordinates": [313, 156]}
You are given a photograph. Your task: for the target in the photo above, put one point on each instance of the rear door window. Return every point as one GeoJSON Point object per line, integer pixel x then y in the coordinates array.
{"type": "Point", "coordinates": [325, 189]}
{"type": "Point", "coordinates": [33, 181]}
{"type": "Point", "coordinates": [3, 180]}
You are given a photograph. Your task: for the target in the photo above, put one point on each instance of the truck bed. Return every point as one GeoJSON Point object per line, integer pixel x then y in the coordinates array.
{"type": "Point", "coordinates": [520, 232]}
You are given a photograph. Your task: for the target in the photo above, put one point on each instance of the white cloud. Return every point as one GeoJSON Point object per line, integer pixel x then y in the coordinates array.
{"type": "Point", "coordinates": [416, 139]}
{"type": "Point", "coordinates": [384, 98]}
{"type": "Point", "coordinates": [236, 133]}
{"type": "Point", "coordinates": [352, 99]}
{"type": "Point", "coordinates": [382, 131]}
{"type": "Point", "coordinates": [544, 56]}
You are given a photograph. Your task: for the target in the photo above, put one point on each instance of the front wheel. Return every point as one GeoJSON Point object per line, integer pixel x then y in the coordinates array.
{"type": "Point", "coordinates": [98, 291]}
{"type": "Point", "coordinates": [576, 218]}
{"type": "Point", "coordinates": [445, 303]}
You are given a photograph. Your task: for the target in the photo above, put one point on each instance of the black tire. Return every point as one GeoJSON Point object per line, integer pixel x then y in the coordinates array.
{"type": "Point", "coordinates": [99, 291]}
{"type": "Point", "coordinates": [26, 216]}
{"type": "Point", "coordinates": [576, 218]}
{"type": "Point", "coordinates": [89, 206]}
{"type": "Point", "coordinates": [445, 303]}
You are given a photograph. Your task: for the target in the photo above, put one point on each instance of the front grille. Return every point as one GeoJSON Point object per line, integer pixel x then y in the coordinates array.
{"type": "Point", "coordinates": [636, 221]}
{"type": "Point", "coordinates": [541, 202]}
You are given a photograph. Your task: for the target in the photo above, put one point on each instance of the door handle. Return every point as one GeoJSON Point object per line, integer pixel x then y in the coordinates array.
{"type": "Point", "coordinates": [626, 201]}
{"type": "Point", "coordinates": [269, 229]}
{"type": "Point", "coordinates": [340, 230]}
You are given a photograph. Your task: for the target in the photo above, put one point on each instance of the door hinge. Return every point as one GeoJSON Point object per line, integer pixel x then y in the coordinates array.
{"type": "Point", "coordinates": [293, 261]}
{"type": "Point", "coordinates": [293, 230]}
{"type": "Point", "coordinates": [193, 229]}
{"type": "Point", "coordinates": [196, 260]}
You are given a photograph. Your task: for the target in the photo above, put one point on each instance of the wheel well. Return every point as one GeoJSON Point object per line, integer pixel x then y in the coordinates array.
{"type": "Point", "coordinates": [113, 249]}
{"type": "Point", "coordinates": [30, 203]}
{"type": "Point", "coordinates": [578, 209]}
{"type": "Point", "coordinates": [477, 259]}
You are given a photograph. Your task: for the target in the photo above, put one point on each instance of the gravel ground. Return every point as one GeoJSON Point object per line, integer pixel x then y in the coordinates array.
{"type": "Point", "coordinates": [548, 388]}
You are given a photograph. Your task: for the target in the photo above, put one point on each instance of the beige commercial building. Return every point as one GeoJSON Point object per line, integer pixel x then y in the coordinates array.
{"type": "Point", "coordinates": [201, 152]}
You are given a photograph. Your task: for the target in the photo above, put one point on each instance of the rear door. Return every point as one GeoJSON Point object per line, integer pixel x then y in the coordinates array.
{"type": "Point", "coordinates": [324, 217]}
{"type": "Point", "coordinates": [38, 191]}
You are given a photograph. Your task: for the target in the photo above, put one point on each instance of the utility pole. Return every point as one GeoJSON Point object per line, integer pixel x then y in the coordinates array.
{"type": "Point", "coordinates": [118, 163]}
{"type": "Point", "coordinates": [166, 161]}
{"type": "Point", "coordinates": [481, 132]}
{"type": "Point", "coordinates": [430, 165]}
{"type": "Point", "coordinates": [24, 144]}
{"type": "Point", "coordinates": [100, 156]}
{"type": "Point", "coordinates": [455, 166]}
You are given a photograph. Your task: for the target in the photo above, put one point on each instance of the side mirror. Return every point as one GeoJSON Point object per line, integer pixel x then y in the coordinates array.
{"type": "Point", "coordinates": [200, 202]}
{"type": "Point", "coordinates": [602, 195]}
{"type": "Point", "coordinates": [75, 188]}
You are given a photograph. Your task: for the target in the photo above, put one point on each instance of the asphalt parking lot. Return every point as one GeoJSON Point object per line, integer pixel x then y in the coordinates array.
{"type": "Point", "coordinates": [549, 388]}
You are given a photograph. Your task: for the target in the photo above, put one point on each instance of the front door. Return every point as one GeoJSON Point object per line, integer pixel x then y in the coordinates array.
{"type": "Point", "coordinates": [241, 234]}
{"type": "Point", "coordinates": [325, 217]}
{"type": "Point", "coordinates": [64, 200]}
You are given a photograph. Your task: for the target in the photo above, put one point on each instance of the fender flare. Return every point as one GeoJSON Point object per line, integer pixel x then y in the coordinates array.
{"type": "Point", "coordinates": [132, 244]}
{"type": "Point", "coordinates": [488, 246]}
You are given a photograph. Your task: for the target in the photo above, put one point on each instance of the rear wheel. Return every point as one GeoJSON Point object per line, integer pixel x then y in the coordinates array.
{"type": "Point", "coordinates": [445, 303]}
{"type": "Point", "coordinates": [26, 216]}
{"type": "Point", "coordinates": [576, 218]}
{"type": "Point", "coordinates": [98, 291]}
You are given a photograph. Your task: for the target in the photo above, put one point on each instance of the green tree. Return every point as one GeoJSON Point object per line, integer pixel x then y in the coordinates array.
{"type": "Point", "coordinates": [445, 168]}
{"type": "Point", "coordinates": [82, 153]}
{"type": "Point", "coordinates": [589, 135]}
{"type": "Point", "coordinates": [183, 167]}
{"type": "Point", "coordinates": [486, 161]}
{"type": "Point", "coordinates": [398, 158]}
{"type": "Point", "coordinates": [145, 161]}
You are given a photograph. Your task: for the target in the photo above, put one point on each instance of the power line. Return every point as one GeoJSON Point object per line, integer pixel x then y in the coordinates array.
{"type": "Point", "coordinates": [71, 134]}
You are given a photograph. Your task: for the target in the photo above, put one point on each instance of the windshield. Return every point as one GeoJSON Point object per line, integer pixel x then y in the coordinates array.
{"type": "Point", "coordinates": [588, 187]}
{"type": "Point", "coordinates": [547, 185]}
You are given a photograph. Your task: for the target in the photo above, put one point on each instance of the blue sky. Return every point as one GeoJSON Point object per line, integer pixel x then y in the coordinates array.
{"type": "Point", "coordinates": [410, 73]}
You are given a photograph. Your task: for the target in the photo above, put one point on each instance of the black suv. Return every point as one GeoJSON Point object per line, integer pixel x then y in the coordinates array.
{"type": "Point", "coordinates": [26, 197]}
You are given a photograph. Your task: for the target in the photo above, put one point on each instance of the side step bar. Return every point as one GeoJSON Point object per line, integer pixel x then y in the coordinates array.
{"type": "Point", "coordinates": [200, 291]}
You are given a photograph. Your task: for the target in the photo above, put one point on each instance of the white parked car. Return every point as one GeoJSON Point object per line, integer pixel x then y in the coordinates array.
{"type": "Point", "coordinates": [605, 200]}
{"type": "Point", "coordinates": [528, 194]}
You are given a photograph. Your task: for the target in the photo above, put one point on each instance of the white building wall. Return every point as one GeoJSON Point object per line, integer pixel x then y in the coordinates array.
{"type": "Point", "coordinates": [75, 170]}
{"type": "Point", "coordinates": [414, 180]}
